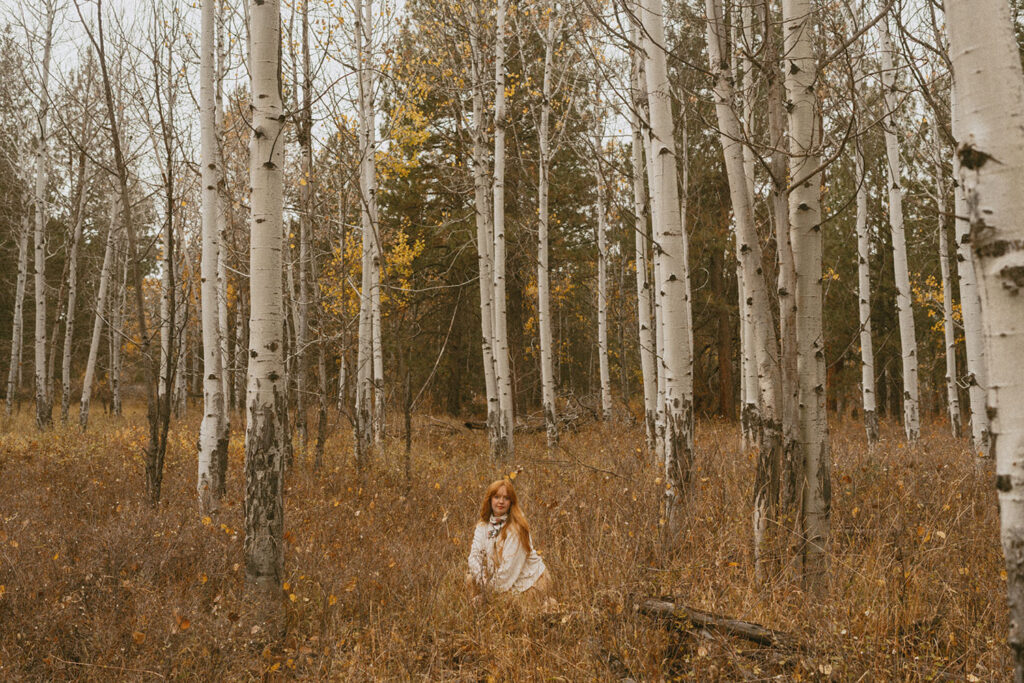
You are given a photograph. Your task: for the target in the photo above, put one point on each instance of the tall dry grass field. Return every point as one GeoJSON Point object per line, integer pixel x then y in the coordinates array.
{"type": "Point", "coordinates": [97, 585]}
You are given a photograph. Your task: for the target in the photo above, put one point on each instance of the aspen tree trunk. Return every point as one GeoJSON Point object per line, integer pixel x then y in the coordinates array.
{"type": "Point", "coordinates": [642, 240]}
{"type": "Point", "coordinates": [212, 433]}
{"type": "Point", "coordinates": [17, 326]}
{"type": "Point", "coordinates": [305, 135]}
{"type": "Point", "coordinates": [267, 394]}
{"type": "Point", "coordinates": [44, 406]}
{"type": "Point", "coordinates": [116, 315]}
{"type": "Point", "coordinates": [805, 215]}
{"type": "Point", "coordinates": [659, 313]}
{"type": "Point", "coordinates": [503, 375]}
{"type": "Point", "coordinates": [223, 330]}
{"type": "Point", "coordinates": [949, 333]}
{"type": "Point", "coordinates": [379, 417]}
{"type": "Point", "coordinates": [97, 326]}
{"type": "Point", "coordinates": [756, 304]}
{"type": "Point", "coordinates": [602, 296]}
{"type": "Point", "coordinates": [791, 470]}
{"type": "Point", "coordinates": [990, 146]}
{"type": "Point", "coordinates": [904, 307]}
{"type": "Point", "coordinates": [365, 362]}
{"type": "Point", "coordinates": [69, 322]}
{"type": "Point", "coordinates": [970, 307]}
{"type": "Point", "coordinates": [166, 322]}
{"type": "Point", "coordinates": [867, 353]}
{"type": "Point", "coordinates": [671, 281]}
{"type": "Point", "coordinates": [750, 415]}
{"type": "Point", "coordinates": [484, 227]}
{"type": "Point", "coordinates": [547, 380]}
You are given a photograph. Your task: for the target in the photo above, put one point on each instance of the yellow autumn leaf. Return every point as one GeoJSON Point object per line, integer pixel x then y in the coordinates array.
{"type": "Point", "coordinates": [332, 600]}
{"type": "Point", "coordinates": [138, 636]}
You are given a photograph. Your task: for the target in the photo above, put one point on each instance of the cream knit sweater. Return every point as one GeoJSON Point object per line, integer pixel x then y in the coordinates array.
{"type": "Point", "coordinates": [517, 570]}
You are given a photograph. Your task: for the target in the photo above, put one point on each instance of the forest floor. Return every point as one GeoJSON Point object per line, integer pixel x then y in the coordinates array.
{"type": "Point", "coordinates": [96, 584]}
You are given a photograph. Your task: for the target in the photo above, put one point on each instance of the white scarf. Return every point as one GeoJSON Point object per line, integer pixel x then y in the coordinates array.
{"type": "Point", "coordinates": [496, 524]}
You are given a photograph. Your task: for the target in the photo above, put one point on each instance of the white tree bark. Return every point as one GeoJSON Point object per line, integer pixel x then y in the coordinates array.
{"type": "Point", "coordinates": [484, 226]}
{"type": "Point", "coordinates": [756, 305]}
{"type": "Point", "coordinates": [212, 436]}
{"type": "Point", "coordinates": [267, 394]}
{"type": "Point", "coordinates": [949, 333]}
{"type": "Point", "coordinates": [989, 98]}
{"type": "Point", "coordinates": [503, 373]}
{"type": "Point", "coordinates": [69, 321]}
{"type": "Point", "coordinates": [602, 293]}
{"type": "Point", "coordinates": [223, 329]}
{"type": "Point", "coordinates": [44, 407]}
{"type": "Point", "coordinates": [543, 286]}
{"type": "Point", "coordinates": [642, 240]}
{"type": "Point", "coordinates": [364, 409]}
{"type": "Point", "coordinates": [17, 325]}
{"type": "Point", "coordinates": [904, 307]}
{"type": "Point", "coordinates": [673, 271]}
{"type": "Point", "coordinates": [867, 352]}
{"type": "Point", "coordinates": [800, 67]}
{"type": "Point", "coordinates": [97, 326]}
{"type": "Point", "coordinates": [970, 308]}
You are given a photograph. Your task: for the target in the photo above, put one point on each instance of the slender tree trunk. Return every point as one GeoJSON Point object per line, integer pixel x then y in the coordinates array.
{"type": "Point", "coordinates": [863, 248]}
{"type": "Point", "coordinates": [267, 395]}
{"type": "Point", "coordinates": [484, 226]}
{"type": "Point", "coordinates": [672, 278]}
{"type": "Point", "coordinates": [949, 333]}
{"type": "Point", "coordinates": [69, 323]}
{"type": "Point", "coordinates": [212, 433]}
{"type": "Point", "coordinates": [44, 406]}
{"type": "Point", "coordinates": [904, 307]}
{"type": "Point", "coordinates": [642, 240]}
{"type": "Point", "coordinates": [365, 362]}
{"type": "Point", "coordinates": [116, 315]}
{"type": "Point", "coordinates": [989, 98]}
{"type": "Point", "coordinates": [970, 307]}
{"type": "Point", "coordinates": [97, 327]}
{"type": "Point", "coordinates": [305, 135]}
{"type": "Point", "coordinates": [503, 373]}
{"type": "Point", "coordinates": [804, 218]}
{"type": "Point", "coordinates": [547, 380]}
{"type": "Point", "coordinates": [756, 304]}
{"type": "Point", "coordinates": [602, 298]}
{"type": "Point", "coordinates": [17, 326]}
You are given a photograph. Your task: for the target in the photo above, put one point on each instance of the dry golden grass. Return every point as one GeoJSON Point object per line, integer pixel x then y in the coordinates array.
{"type": "Point", "coordinates": [97, 585]}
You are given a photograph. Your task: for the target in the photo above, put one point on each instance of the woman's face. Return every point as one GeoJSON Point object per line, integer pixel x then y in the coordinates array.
{"type": "Point", "coordinates": [500, 502]}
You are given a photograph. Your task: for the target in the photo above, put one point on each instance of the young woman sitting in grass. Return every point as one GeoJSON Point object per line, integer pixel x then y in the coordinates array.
{"type": "Point", "coordinates": [502, 558]}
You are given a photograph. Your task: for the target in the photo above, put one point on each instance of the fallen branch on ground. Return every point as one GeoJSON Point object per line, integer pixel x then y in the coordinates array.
{"type": "Point", "coordinates": [744, 629]}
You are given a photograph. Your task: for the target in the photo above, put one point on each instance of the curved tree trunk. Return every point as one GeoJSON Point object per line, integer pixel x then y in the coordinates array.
{"type": "Point", "coordinates": [97, 327]}
{"type": "Point", "coordinates": [757, 307]}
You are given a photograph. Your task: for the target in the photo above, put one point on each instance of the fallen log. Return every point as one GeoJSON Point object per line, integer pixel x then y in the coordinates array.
{"type": "Point", "coordinates": [745, 629]}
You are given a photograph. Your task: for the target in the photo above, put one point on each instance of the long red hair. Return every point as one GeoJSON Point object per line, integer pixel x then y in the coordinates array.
{"type": "Point", "coordinates": [516, 518]}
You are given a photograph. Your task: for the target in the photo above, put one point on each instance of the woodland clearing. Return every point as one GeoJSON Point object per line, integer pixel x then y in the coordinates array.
{"type": "Point", "coordinates": [96, 584]}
